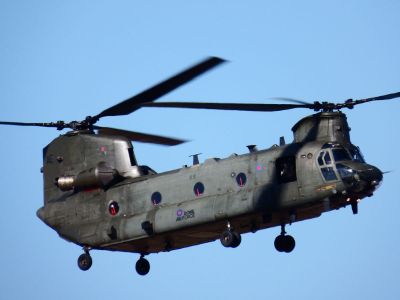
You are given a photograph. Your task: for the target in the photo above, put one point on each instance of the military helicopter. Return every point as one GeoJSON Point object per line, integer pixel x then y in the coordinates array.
{"type": "Point", "coordinates": [97, 196]}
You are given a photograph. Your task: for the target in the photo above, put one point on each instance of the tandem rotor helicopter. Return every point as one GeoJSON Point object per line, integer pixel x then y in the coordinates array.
{"type": "Point", "coordinates": [97, 196]}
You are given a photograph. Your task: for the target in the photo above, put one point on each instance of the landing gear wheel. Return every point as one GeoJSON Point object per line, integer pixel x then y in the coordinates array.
{"type": "Point", "coordinates": [279, 243]}
{"type": "Point", "coordinates": [237, 239]}
{"type": "Point", "coordinates": [142, 266]}
{"type": "Point", "coordinates": [227, 238]}
{"type": "Point", "coordinates": [230, 239]}
{"type": "Point", "coordinates": [289, 244]}
{"type": "Point", "coordinates": [84, 261]}
{"type": "Point", "coordinates": [284, 243]}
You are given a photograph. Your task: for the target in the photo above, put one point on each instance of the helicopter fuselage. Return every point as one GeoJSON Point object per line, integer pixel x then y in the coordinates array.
{"type": "Point", "coordinates": [137, 210]}
{"type": "Point", "coordinates": [97, 196]}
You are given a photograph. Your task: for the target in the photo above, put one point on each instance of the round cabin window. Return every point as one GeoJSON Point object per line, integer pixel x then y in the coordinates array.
{"type": "Point", "coordinates": [156, 198]}
{"type": "Point", "coordinates": [241, 179]}
{"type": "Point", "coordinates": [198, 189]}
{"type": "Point", "coordinates": [113, 208]}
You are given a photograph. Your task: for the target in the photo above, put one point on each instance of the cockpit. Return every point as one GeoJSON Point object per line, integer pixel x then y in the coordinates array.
{"type": "Point", "coordinates": [347, 164]}
{"type": "Point", "coordinates": [330, 157]}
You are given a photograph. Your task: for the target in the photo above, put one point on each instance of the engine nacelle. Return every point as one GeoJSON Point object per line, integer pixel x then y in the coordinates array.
{"type": "Point", "coordinates": [99, 177]}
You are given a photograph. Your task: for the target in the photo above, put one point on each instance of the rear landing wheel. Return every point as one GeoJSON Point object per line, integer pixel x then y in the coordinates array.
{"type": "Point", "coordinates": [279, 242]}
{"type": "Point", "coordinates": [236, 240]}
{"type": "Point", "coordinates": [289, 244]}
{"type": "Point", "coordinates": [84, 261]}
{"type": "Point", "coordinates": [230, 239]}
{"type": "Point", "coordinates": [142, 266]}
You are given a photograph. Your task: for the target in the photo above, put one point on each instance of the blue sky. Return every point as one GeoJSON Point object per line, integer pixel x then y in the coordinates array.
{"type": "Point", "coordinates": [66, 60]}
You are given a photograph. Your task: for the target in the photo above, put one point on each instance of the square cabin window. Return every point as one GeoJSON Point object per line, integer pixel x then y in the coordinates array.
{"type": "Point", "coordinates": [286, 169]}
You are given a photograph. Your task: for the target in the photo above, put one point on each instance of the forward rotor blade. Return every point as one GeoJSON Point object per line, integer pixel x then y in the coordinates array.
{"type": "Point", "coordinates": [228, 106]}
{"type": "Point", "coordinates": [383, 97]}
{"type": "Point", "coordinates": [140, 137]}
{"type": "Point", "coordinates": [56, 125]}
{"type": "Point", "coordinates": [130, 105]}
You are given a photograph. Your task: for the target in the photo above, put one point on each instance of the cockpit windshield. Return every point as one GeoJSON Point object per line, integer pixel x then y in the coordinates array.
{"type": "Point", "coordinates": [331, 154]}
{"type": "Point", "coordinates": [340, 154]}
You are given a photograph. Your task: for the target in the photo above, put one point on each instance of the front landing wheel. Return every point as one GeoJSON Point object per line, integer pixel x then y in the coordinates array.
{"type": "Point", "coordinates": [84, 261]}
{"type": "Point", "coordinates": [284, 243]}
{"type": "Point", "coordinates": [142, 266]}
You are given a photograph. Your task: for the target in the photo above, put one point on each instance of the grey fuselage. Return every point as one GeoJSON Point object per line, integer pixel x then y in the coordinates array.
{"type": "Point", "coordinates": [98, 197]}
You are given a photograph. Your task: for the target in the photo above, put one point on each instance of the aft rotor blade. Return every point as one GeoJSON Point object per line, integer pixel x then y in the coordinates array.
{"type": "Point", "coordinates": [57, 125]}
{"type": "Point", "coordinates": [290, 100]}
{"type": "Point", "coordinates": [130, 105]}
{"type": "Point", "coordinates": [140, 137]}
{"type": "Point", "coordinates": [228, 106]}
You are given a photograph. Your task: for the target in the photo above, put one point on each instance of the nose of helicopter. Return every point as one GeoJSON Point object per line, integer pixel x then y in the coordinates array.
{"type": "Point", "coordinates": [362, 179]}
{"type": "Point", "coordinates": [371, 175]}
{"type": "Point", "coordinates": [368, 179]}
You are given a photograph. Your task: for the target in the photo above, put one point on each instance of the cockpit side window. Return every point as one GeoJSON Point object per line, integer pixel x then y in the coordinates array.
{"type": "Point", "coordinates": [325, 162]}
{"type": "Point", "coordinates": [320, 161]}
{"type": "Point", "coordinates": [328, 173]}
{"type": "Point", "coordinates": [327, 158]}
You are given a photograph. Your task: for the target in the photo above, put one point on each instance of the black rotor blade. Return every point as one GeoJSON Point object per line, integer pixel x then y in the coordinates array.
{"type": "Point", "coordinates": [140, 137]}
{"type": "Point", "coordinates": [228, 106]}
{"type": "Point", "coordinates": [130, 105]}
{"type": "Point", "coordinates": [383, 97]}
{"type": "Point", "coordinates": [290, 100]}
{"type": "Point", "coordinates": [57, 125]}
